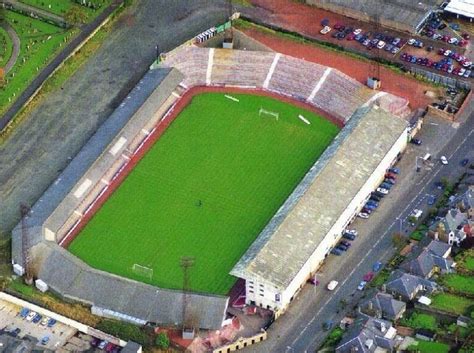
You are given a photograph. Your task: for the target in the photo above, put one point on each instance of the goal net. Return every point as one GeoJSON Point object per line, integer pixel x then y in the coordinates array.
{"type": "Point", "coordinates": [142, 271]}
{"type": "Point", "coordinates": [268, 113]}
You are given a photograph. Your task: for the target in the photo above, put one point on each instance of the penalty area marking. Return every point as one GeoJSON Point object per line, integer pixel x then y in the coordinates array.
{"type": "Point", "coordinates": [303, 119]}
{"type": "Point", "coordinates": [231, 98]}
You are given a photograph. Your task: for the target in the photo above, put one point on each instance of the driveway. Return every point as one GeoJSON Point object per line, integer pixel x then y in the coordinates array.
{"type": "Point", "coordinates": [16, 45]}
{"type": "Point", "coordinates": [43, 144]}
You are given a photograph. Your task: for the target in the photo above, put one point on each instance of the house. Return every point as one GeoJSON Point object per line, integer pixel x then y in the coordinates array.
{"type": "Point", "coordinates": [383, 306]}
{"type": "Point", "coordinates": [428, 257]}
{"type": "Point", "coordinates": [405, 286]}
{"type": "Point", "coordinates": [425, 335]}
{"type": "Point", "coordinates": [451, 229]}
{"type": "Point", "coordinates": [368, 335]}
{"type": "Point", "coordinates": [465, 202]}
{"type": "Point", "coordinates": [9, 343]}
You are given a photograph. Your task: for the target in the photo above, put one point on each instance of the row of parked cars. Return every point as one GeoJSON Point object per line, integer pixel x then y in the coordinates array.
{"type": "Point", "coordinates": [105, 345]}
{"type": "Point", "coordinates": [34, 317]}
{"type": "Point", "coordinates": [431, 31]}
{"type": "Point", "coordinates": [445, 65]}
{"type": "Point", "coordinates": [461, 59]}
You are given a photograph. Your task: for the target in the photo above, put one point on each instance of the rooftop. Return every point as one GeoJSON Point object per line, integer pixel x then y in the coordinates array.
{"type": "Point", "coordinates": [299, 226]}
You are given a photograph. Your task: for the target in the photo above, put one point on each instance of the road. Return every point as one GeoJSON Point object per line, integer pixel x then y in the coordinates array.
{"type": "Point", "coordinates": [44, 143]}
{"type": "Point", "coordinates": [16, 45]}
{"type": "Point", "coordinates": [299, 330]}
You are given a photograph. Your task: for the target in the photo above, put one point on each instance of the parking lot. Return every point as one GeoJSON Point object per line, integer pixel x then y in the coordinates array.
{"type": "Point", "coordinates": [10, 319]}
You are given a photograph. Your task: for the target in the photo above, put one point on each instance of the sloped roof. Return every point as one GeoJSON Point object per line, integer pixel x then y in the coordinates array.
{"type": "Point", "coordinates": [438, 248]}
{"type": "Point", "coordinates": [408, 12]}
{"type": "Point", "coordinates": [73, 279]}
{"type": "Point", "coordinates": [405, 284]}
{"type": "Point", "coordinates": [385, 304]}
{"type": "Point", "coordinates": [461, 7]}
{"type": "Point", "coordinates": [299, 226]}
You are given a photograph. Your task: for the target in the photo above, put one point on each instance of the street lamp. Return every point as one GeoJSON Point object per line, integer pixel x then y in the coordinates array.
{"type": "Point", "coordinates": [417, 169]}
{"type": "Point", "coordinates": [157, 47]}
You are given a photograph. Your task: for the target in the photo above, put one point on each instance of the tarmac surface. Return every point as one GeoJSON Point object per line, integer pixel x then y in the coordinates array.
{"type": "Point", "coordinates": [43, 144]}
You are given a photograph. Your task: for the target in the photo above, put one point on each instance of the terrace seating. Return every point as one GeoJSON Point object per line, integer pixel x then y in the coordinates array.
{"type": "Point", "coordinates": [192, 62]}
{"type": "Point", "coordinates": [295, 77]}
{"type": "Point", "coordinates": [238, 67]}
{"type": "Point", "coordinates": [341, 95]}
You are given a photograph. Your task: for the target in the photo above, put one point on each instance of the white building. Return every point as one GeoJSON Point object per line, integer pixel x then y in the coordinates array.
{"type": "Point", "coordinates": [310, 223]}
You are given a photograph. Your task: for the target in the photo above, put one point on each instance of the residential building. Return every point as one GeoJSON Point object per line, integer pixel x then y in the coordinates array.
{"type": "Point", "coordinates": [383, 306]}
{"type": "Point", "coordinates": [451, 229]}
{"type": "Point", "coordinates": [368, 335]}
{"type": "Point", "coordinates": [405, 286]}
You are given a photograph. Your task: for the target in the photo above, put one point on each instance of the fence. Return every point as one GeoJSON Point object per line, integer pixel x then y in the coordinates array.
{"type": "Point", "coordinates": [440, 79]}
{"type": "Point", "coordinates": [241, 343]}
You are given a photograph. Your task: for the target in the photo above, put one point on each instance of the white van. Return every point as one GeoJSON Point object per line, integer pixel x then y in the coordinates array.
{"type": "Point", "coordinates": [427, 157]}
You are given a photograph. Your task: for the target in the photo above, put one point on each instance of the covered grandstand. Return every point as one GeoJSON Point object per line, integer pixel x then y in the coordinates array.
{"type": "Point", "coordinates": [401, 15]}
{"type": "Point", "coordinates": [107, 157]}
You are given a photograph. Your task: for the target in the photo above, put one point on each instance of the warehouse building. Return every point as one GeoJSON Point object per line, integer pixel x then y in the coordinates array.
{"type": "Point", "coordinates": [310, 223]}
{"type": "Point", "coordinates": [402, 15]}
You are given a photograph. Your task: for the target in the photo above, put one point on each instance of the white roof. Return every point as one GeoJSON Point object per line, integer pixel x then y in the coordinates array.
{"type": "Point", "coordinates": [461, 7]}
{"type": "Point", "coordinates": [424, 300]}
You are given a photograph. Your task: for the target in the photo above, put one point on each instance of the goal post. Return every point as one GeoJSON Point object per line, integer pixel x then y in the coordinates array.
{"type": "Point", "coordinates": [142, 271]}
{"type": "Point", "coordinates": [263, 111]}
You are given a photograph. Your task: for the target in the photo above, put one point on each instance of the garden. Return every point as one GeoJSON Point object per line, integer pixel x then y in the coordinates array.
{"type": "Point", "coordinates": [452, 303]}
{"type": "Point", "coordinates": [458, 283]}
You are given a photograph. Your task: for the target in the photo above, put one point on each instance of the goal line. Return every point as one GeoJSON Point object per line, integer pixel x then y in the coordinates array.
{"type": "Point", "coordinates": [142, 271]}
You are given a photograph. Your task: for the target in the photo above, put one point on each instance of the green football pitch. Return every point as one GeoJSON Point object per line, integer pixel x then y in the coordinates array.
{"type": "Point", "coordinates": [205, 189]}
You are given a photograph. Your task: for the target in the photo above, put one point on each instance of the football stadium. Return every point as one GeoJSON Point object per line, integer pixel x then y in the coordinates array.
{"type": "Point", "coordinates": [250, 163]}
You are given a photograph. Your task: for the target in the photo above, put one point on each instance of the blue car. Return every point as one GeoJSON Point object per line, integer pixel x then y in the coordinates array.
{"type": "Point", "coordinates": [431, 200]}
{"type": "Point", "coordinates": [37, 318]}
{"type": "Point", "coordinates": [45, 340]}
{"type": "Point", "coordinates": [370, 207]}
{"type": "Point", "coordinates": [336, 251]}
{"type": "Point", "coordinates": [51, 323]}
{"type": "Point", "coordinates": [371, 202]}
{"type": "Point", "coordinates": [24, 312]}
{"type": "Point", "coordinates": [386, 186]}
{"type": "Point", "coordinates": [349, 236]}
{"type": "Point", "coordinates": [377, 266]}
{"type": "Point", "coordinates": [394, 170]}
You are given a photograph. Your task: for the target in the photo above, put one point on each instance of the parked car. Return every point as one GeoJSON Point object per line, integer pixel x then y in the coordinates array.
{"type": "Point", "coordinates": [394, 170]}
{"type": "Point", "coordinates": [24, 312]}
{"type": "Point", "coordinates": [327, 325]}
{"type": "Point", "coordinates": [363, 215]}
{"type": "Point", "coordinates": [382, 191]}
{"type": "Point", "coordinates": [369, 276]}
{"type": "Point", "coordinates": [416, 141]}
{"type": "Point", "coordinates": [386, 186]}
{"type": "Point", "coordinates": [411, 41]}
{"type": "Point", "coordinates": [325, 30]}
{"type": "Point", "coordinates": [377, 193]}
{"type": "Point", "coordinates": [37, 318]}
{"type": "Point", "coordinates": [349, 236]}
{"type": "Point", "coordinates": [95, 341]}
{"type": "Point", "coordinates": [391, 175]}
{"type": "Point", "coordinates": [332, 285]}
{"type": "Point", "coordinates": [444, 160]}
{"type": "Point", "coordinates": [45, 321]}
{"type": "Point", "coordinates": [375, 197]}
{"type": "Point", "coordinates": [110, 347]}
{"type": "Point", "coordinates": [361, 285]}
{"type": "Point", "coordinates": [377, 266]}
{"type": "Point", "coordinates": [342, 247]}
{"type": "Point", "coordinates": [374, 203]}
{"type": "Point", "coordinates": [346, 243]}
{"type": "Point", "coordinates": [367, 210]}
{"type": "Point", "coordinates": [336, 251]}
{"type": "Point", "coordinates": [464, 162]}
{"type": "Point", "coordinates": [45, 340]}
{"type": "Point", "coordinates": [30, 316]}
{"type": "Point", "coordinates": [381, 44]}
{"type": "Point", "coordinates": [15, 332]}
{"type": "Point", "coordinates": [51, 323]}
{"type": "Point", "coordinates": [102, 344]}
{"type": "Point", "coordinates": [389, 181]}
{"type": "Point", "coordinates": [431, 200]}
{"type": "Point", "coordinates": [352, 232]}
{"type": "Point", "coordinates": [357, 31]}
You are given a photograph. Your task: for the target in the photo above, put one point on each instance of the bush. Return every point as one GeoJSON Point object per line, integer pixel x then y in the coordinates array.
{"type": "Point", "coordinates": [125, 331]}
{"type": "Point", "coordinates": [162, 340]}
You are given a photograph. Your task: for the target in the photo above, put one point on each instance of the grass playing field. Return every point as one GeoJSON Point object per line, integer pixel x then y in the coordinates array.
{"type": "Point", "coordinates": [206, 189]}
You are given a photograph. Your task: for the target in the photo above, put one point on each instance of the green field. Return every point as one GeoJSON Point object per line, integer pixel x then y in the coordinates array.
{"type": "Point", "coordinates": [205, 189]}
{"type": "Point", "coordinates": [39, 42]}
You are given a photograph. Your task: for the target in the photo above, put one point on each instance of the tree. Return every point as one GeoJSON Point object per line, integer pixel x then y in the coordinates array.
{"type": "Point", "coordinates": [162, 340]}
{"type": "Point", "coordinates": [398, 240]}
{"type": "Point", "coordinates": [75, 15]}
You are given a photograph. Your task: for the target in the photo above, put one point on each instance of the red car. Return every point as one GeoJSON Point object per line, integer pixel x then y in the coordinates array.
{"type": "Point", "coordinates": [339, 26]}
{"type": "Point", "coordinates": [445, 38]}
{"type": "Point", "coordinates": [369, 276]}
{"type": "Point", "coordinates": [350, 36]}
{"type": "Point", "coordinates": [441, 51]}
{"type": "Point", "coordinates": [391, 176]}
